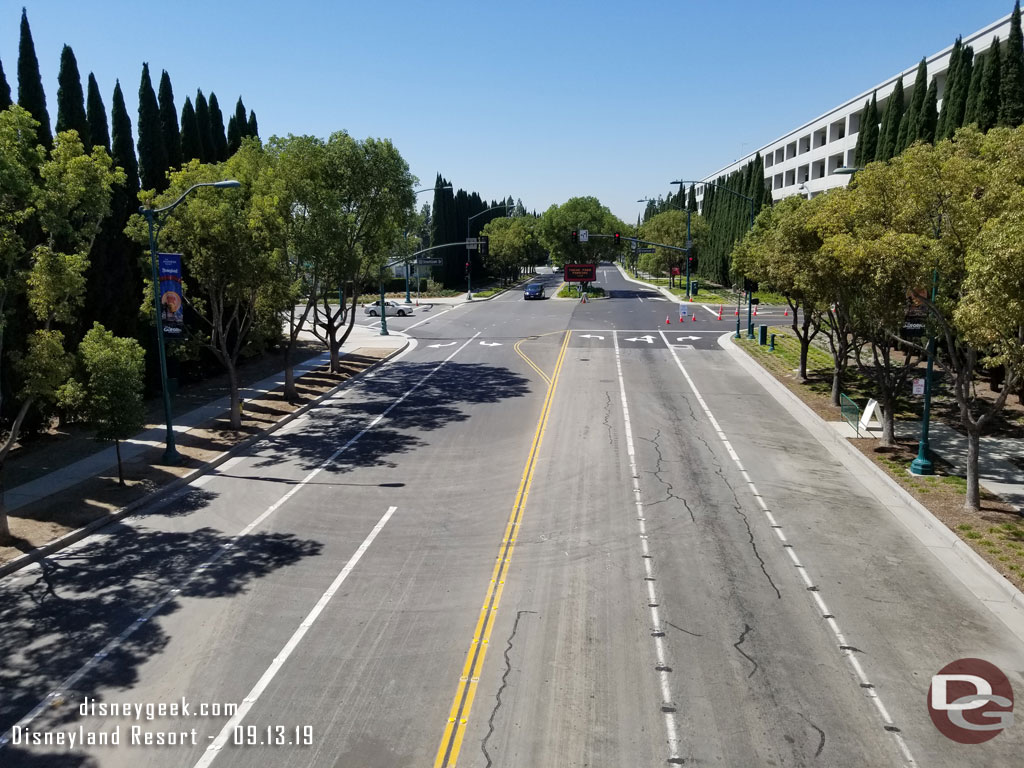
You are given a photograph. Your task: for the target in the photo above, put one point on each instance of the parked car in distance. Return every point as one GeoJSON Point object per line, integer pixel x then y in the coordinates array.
{"type": "Point", "coordinates": [533, 291]}
{"type": "Point", "coordinates": [390, 308]}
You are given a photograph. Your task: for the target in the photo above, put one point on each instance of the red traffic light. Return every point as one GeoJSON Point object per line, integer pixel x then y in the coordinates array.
{"type": "Point", "coordinates": [617, 239]}
{"type": "Point", "coordinates": [575, 236]}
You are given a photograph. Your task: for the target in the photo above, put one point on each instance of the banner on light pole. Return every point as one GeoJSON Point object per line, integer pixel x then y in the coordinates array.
{"type": "Point", "coordinates": [171, 300]}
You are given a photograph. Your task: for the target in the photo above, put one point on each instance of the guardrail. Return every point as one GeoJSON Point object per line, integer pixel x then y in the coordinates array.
{"type": "Point", "coordinates": [850, 411]}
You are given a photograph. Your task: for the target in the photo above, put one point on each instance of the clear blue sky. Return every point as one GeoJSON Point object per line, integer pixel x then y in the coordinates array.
{"type": "Point", "coordinates": [540, 100]}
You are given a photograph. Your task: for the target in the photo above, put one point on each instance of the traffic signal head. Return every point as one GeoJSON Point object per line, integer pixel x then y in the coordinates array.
{"type": "Point", "coordinates": [484, 244]}
{"type": "Point", "coordinates": [617, 238]}
{"type": "Point", "coordinates": [575, 236]}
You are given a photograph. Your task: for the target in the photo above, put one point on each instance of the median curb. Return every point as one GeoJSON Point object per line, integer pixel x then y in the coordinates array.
{"type": "Point", "coordinates": [984, 581]}
{"type": "Point", "coordinates": [161, 494]}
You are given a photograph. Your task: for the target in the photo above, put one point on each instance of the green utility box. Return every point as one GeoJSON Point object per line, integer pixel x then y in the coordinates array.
{"type": "Point", "coordinates": [694, 285]}
{"type": "Point", "coordinates": [762, 335]}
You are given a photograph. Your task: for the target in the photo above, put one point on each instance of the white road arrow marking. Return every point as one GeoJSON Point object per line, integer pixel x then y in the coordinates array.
{"type": "Point", "coordinates": [649, 339]}
{"type": "Point", "coordinates": [686, 338]}
{"type": "Point", "coordinates": [490, 343]}
{"type": "Point", "coordinates": [449, 344]}
{"type": "Point", "coordinates": [589, 336]}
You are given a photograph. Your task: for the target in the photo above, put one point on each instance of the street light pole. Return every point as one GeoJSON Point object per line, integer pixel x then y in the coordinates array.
{"type": "Point", "coordinates": [469, 269]}
{"type": "Point", "coordinates": [171, 455]}
{"type": "Point", "coordinates": [922, 465]}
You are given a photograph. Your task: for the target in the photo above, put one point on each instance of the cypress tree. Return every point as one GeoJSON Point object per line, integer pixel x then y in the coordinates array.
{"type": "Point", "coordinates": [70, 100]}
{"type": "Point", "coordinates": [253, 127]}
{"type": "Point", "coordinates": [206, 151]}
{"type": "Point", "coordinates": [220, 143]}
{"type": "Point", "coordinates": [169, 133]}
{"type": "Point", "coordinates": [952, 79]}
{"type": "Point", "coordinates": [122, 149]}
{"type": "Point", "coordinates": [988, 98]}
{"type": "Point", "coordinates": [152, 155]}
{"type": "Point", "coordinates": [926, 125]}
{"type": "Point", "coordinates": [909, 126]}
{"type": "Point", "coordinates": [889, 135]}
{"type": "Point", "coordinates": [31, 95]}
{"type": "Point", "coordinates": [1011, 77]}
{"type": "Point", "coordinates": [96, 115]}
{"type": "Point", "coordinates": [241, 119]}
{"type": "Point", "coordinates": [870, 130]}
{"type": "Point", "coordinates": [858, 150]}
{"type": "Point", "coordinates": [957, 103]}
{"type": "Point", "coordinates": [234, 135]}
{"type": "Point", "coordinates": [5, 90]}
{"type": "Point", "coordinates": [974, 90]}
{"type": "Point", "coordinates": [691, 201]}
{"type": "Point", "coordinates": [191, 149]}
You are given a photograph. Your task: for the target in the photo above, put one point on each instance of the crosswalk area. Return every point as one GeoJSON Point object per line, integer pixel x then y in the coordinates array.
{"type": "Point", "coordinates": [651, 338]}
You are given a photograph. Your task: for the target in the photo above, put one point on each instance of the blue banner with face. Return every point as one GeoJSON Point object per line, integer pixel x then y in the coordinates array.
{"type": "Point", "coordinates": [171, 311]}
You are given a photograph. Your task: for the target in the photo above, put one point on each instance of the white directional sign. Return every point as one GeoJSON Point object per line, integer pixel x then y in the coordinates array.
{"type": "Point", "coordinates": [682, 310]}
{"type": "Point", "coordinates": [649, 339]}
{"type": "Point", "coordinates": [584, 235]}
{"type": "Point", "coordinates": [590, 336]}
{"type": "Point", "coordinates": [490, 343]}
{"type": "Point", "coordinates": [449, 344]}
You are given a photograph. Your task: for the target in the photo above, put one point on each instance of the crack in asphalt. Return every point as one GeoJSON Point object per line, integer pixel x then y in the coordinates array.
{"type": "Point", "coordinates": [669, 488]}
{"type": "Point", "coordinates": [608, 416]}
{"type": "Point", "coordinates": [501, 688]}
{"type": "Point", "coordinates": [821, 733]}
{"type": "Point", "coordinates": [743, 636]}
{"type": "Point", "coordinates": [750, 533]}
{"type": "Point", "coordinates": [683, 630]}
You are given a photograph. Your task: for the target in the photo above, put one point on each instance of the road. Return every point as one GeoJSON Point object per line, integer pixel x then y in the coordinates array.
{"type": "Point", "coordinates": [551, 534]}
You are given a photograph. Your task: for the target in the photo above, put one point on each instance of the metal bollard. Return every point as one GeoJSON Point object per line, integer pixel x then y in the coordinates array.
{"type": "Point", "coordinates": [771, 347]}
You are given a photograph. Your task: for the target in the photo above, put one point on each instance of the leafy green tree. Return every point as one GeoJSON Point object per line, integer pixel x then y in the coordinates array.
{"type": "Point", "coordinates": [669, 228]}
{"type": "Point", "coordinates": [96, 115]}
{"type": "Point", "coordinates": [5, 90]}
{"type": "Point", "coordinates": [191, 147]}
{"type": "Point", "coordinates": [889, 135]}
{"type": "Point", "coordinates": [241, 121]}
{"type": "Point", "coordinates": [870, 130]}
{"type": "Point", "coordinates": [1011, 76]}
{"type": "Point", "coordinates": [207, 153]}
{"type": "Point", "coordinates": [987, 113]}
{"type": "Point", "coordinates": [113, 390]}
{"type": "Point", "coordinates": [66, 196]}
{"type": "Point", "coordinates": [558, 222]}
{"type": "Point", "coordinates": [909, 126]}
{"type": "Point", "coordinates": [234, 135]}
{"type": "Point", "coordinates": [123, 149]}
{"type": "Point", "coordinates": [31, 95]}
{"type": "Point", "coordinates": [220, 142]}
{"type": "Point", "coordinates": [152, 153]}
{"type": "Point", "coordinates": [778, 254]}
{"type": "Point", "coordinates": [70, 100]}
{"type": "Point", "coordinates": [928, 119]}
{"type": "Point", "coordinates": [513, 246]}
{"type": "Point", "coordinates": [169, 131]}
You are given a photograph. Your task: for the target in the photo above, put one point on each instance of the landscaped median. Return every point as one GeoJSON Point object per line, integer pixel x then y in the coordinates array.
{"type": "Point", "coordinates": [996, 533]}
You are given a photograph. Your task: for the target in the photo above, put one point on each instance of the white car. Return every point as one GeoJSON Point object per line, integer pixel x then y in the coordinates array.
{"type": "Point", "coordinates": [390, 308]}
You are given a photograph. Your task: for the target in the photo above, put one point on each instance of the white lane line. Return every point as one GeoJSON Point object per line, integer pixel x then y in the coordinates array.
{"type": "Point", "coordinates": [844, 646]}
{"type": "Point", "coordinates": [668, 702]}
{"type": "Point", "coordinates": [293, 642]}
{"type": "Point", "coordinates": [425, 319]}
{"type": "Point", "coordinates": [56, 695]}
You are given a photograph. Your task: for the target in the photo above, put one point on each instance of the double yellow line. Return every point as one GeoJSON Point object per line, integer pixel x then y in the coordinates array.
{"type": "Point", "coordinates": [458, 716]}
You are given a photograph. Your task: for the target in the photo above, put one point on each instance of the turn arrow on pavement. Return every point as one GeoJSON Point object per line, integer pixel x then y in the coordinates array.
{"type": "Point", "coordinates": [591, 336]}
{"type": "Point", "coordinates": [490, 343]}
{"type": "Point", "coordinates": [449, 344]}
{"type": "Point", "coordinates": [649, 339]}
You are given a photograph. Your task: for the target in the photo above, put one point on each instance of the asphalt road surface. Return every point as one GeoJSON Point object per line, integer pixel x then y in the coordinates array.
{"type": "Point", "coordinates": [552, 534]}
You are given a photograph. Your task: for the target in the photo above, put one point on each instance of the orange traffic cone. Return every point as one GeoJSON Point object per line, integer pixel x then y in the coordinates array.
{"type": "Point", "coordinates": [737, 312]}
{"type": "Point", "coordinates": [786, 313]}
{"type": "Point", "coordinates": [668, 320]}
{"type": "Point", "coordinates": [755, 310]}
{"type": "Point", "coordinates": [695, 317]}
{"type": "Point", "coordinates": [719, 313]}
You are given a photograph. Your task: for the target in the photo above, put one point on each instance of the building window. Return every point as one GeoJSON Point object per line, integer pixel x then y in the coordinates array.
{"type": "Point", "coordinates": [835, 161]}
{"type": "Point", "coordinates": [818, 169]}
{"type": "Point", "coordinates": [803, 173]}
{"type": "Point", "coordinates": [819, 137]}
{"type": "Point", "coordinates": [805, 144]}
{"type": "Point", "coordinates": [779, 156]}
{"type": "Point", "coordinates": [790, 178]}
{"type": "Point", "coordinates": [769, 160]}
{"type": "Point", "coordinates": [837, 130]}
{"type": "Point", "coordinates": [777, 184]}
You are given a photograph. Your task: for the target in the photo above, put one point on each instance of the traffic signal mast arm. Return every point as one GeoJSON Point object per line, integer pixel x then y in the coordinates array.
{"type": "Point", "coordinates": [638, 241]}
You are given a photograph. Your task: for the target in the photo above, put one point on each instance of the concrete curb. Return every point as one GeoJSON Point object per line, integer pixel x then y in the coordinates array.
{"type": "Point", "coordinates": [977, 575]}
{"type": "Point", "coordinates": [159, 495]}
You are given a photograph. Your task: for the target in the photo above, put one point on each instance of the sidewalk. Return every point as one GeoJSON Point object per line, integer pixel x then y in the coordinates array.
{"type": "Point", "coordinates": [103, 461]}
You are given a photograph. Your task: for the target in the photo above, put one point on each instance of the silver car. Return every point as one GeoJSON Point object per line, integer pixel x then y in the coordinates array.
{"type": "Point", "coordinates": [390, 308]}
